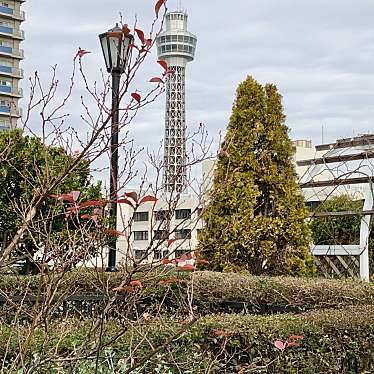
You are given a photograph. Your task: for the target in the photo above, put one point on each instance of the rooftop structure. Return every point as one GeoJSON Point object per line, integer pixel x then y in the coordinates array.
{"type": "Point", "coordinates": [176, 46]}
{"type": "Point", "coordinates": [11, 17]}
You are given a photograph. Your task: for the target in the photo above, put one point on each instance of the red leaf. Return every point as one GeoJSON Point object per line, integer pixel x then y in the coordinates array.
{"type": "Point", "coordinates": [75, 195]}
{"type": "Point", "coordinates": [125, 201]}
{"type": "Point", "coordinates": [92, 203]}
{"type": "Point", "coordinates": [156, 80]}
{"type": "Point", "coordinates": [147, 198]}
{"type": "Point", "coordinates": [170, 242]}
{"type": "Point", "coordinates": [204, 262]}
{"type": "Point", "coordinates": [296, 337]}
{"type": "Point", "coordinates": [94, 218]}
{"type": "Point", "coordinates": [62, 197]}
{"type": "Point", "coordinates": [187, 256]}
{"type": "Point", "coordinates": [167, 72]}
{"type": "Point", "coordinates": [114, 233]}
{"type": "Point", "coordinates": [85, 216]}
{"type": "Point", "coordinates": [128, 289]}
{"type": "Point", "coordinates": [140, 34]}
{"type": "Point", "coordinates": [137, 283]}
{"type": "Point", "coordinates": [82, 52]}
{"type": "Point", "coordinates": [186, 267]}
{"type": "Point", "coordinates": [166, 261]}
{"type": "Point", "coordinates": [136, 96]}
{"type": "Point", "coordinates": [158, 6]}
{"type": "Point", "coordinates": [133, 195]}
{"type": "Point", "coordinates": [148, 42]}
{"type": "Point", "coordinates": [279, 344]}
{"type": "Point", "coordinates": [293, 344]}
{"type": "Point", "coordinates": [125, 29]}
{"type": "Point", "coordinates": [73, 209]}
{"type": "Point", "coordinates": [133, 46]}
{"type": "Point", "coordinates": [163, 63]}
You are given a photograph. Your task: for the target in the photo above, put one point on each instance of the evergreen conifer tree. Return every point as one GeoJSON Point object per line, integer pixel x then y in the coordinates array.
{"type": "Point", "coordinates": [255, 220]}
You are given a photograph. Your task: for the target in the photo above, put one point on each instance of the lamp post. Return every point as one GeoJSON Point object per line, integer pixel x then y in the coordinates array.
{"type": "Point", "coordinates": [115, 46]}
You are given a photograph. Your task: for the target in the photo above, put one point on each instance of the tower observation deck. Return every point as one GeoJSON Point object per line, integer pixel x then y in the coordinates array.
{"type": "Point", "coordinates": [177, 47]}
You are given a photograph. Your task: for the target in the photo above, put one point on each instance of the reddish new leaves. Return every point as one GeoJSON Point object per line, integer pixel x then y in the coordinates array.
{"type": "Point", "coordinates": [132, 199]}
{"type": "Point", "coordinates": [158, 6]}
{"type": "Point", "coordinates": [125, 29]}
{"type": "Point", "coordinates": [281, 345]}
{"type": "Point", "coordinates": [293, 341]}
{"type": "Point", "coordinates": [170, 242]}
{"type": "Point", "coordinates": [90, 203]}
{"type": "Point", "coordinates": [71, 197]}
{"type": "Point", "coordinates": [163, 64]}
{"type": "Point", "coordinates": [141, 36]}
{"type": "Point", "coordinates": [146, 199]}
{"type": "Point", "coordinates": [186, 267]}
{"type": "Point", "coordinates": [136, 97]}
{"type": "Point", "coordinates": [132, 195]}
{"type": "Point", "coordinates": [125, 201]}
{"type": "Point", "coordinates": [136, 283]}
{"type": "Point", "coordinates": [82, 52]}
{"type": "Point", "coordinates": [156, 80]}
{"type": "Point", "coordinates": [113, 233]}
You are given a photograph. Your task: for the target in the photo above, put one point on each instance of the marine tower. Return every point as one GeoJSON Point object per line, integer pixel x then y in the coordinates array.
{"type": "Point", "coordinates": [177, 47]}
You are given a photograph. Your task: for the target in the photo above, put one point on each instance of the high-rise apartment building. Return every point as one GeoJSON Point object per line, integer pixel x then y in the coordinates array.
{"type": "Point", "coordinates": [176, 45]}
{"type": "Point", "coordinates": [11, 35]}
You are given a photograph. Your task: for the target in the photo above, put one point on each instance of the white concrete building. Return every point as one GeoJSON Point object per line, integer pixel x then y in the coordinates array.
{"type": "Point", "coordinates": [11, 35]}
{"type": "Point", "coordinates": [167, 228]}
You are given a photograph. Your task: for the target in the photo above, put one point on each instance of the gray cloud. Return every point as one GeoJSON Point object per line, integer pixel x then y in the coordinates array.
{"type": "Point", "coordinates": [319, 53]}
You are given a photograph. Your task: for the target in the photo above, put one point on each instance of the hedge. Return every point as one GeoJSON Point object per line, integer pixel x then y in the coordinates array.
{"type": "Point", "coordinates": [330, 341]}
{"type": "Point", "coordinates": [213, 292]}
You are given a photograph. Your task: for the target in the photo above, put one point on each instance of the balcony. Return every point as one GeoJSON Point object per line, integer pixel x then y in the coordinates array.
{"type": "Point", "coordinates": [9, 31]}
{"type": "Point", "coordinates": [11, 13]}
{"type": "Point", "coordinates": [11, 71]}
{"type": "Point", "coordinates": [10, 91]}
{"type": "Point", "coordinates": [11, 52]}
{"type": "Point", "coordinates": [9, 111]}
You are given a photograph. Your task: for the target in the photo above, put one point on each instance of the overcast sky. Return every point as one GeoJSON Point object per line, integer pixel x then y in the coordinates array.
{"type": "Point", "coordinates": [319, 53]}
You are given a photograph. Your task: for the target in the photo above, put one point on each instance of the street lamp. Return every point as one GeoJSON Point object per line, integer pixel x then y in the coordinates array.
{"type": "Point", "coordinates": [116, 50]}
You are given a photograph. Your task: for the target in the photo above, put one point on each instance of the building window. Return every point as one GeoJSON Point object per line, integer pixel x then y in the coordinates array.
{"type": "Point", "coordinates": [198, 233]}
{"type": "Point", "coordinates": [6, 43]}
{"type": "Point", "coordinates": [183, 214]}
{"type": "Point", "coordinates": [162, 215]}
{"type": "Point", "coordinates": [180, 252]}
{"type": "Point", "coordinates": [157, 254]}
{"type": "Point", "coordinates": [4, 124]}
{"type": "Point", "coordinates": [160, 235]}
{"type": "Point", "coordinates": [183, 234]}
{"type": "Point", "coordinates": [139, 255]}
{"type": "Point", "coordinates": [140, 235]}
{"type": "Point", "coordinates": [141, 216]}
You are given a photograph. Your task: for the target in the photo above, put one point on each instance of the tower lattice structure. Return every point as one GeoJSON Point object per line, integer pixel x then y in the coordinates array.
{"type": "Point", "coordinates": [177, 47]}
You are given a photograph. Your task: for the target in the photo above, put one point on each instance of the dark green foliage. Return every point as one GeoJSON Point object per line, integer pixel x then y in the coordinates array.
{"type": "Point", "coordinates": [341, 230]}
{"type": "Point", "coordinates": [27, 167]}
{"type": "Point", "coordinates": [331, 341]}
{"type": "Point", "coordinates": [211, 290]}
{"type": "Point", "coordinates": [256, 217]}
{"type": "Point", "coordinates": [337, 230]}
